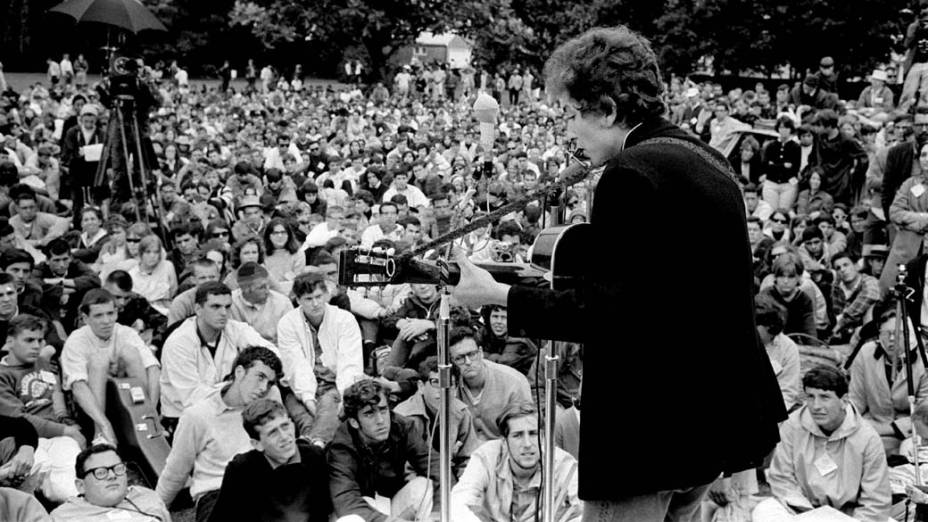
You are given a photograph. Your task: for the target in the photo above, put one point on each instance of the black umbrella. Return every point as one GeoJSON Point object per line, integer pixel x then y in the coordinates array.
{"type": "Point", "coordinates": [130, 15]}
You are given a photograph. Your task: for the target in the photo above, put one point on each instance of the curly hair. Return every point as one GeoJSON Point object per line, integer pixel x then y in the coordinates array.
{"type": "Point", "coordinates": [365, 392]}
{"type": "Point", "coordinates": [608, 67]}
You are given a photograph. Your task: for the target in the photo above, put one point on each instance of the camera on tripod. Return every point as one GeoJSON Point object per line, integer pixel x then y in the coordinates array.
{"type": "Point", "coordinates": [125, 77]}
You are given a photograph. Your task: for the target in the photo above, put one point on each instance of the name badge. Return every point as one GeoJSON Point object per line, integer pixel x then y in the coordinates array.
{"type": "Point", "coordinates": [918, 189]}
{"type": "Point", "coordinates": [825, 465]}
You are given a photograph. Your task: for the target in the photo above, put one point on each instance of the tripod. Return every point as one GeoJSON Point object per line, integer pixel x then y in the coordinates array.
{"type": "Point", "coordinates": [117, 155]}
{"type": "Point", "coordinates": [903, 321]}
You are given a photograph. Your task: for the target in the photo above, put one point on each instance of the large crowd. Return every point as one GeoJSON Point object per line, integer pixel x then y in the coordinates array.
{"type": "Point", "coordinates": [285, 393]}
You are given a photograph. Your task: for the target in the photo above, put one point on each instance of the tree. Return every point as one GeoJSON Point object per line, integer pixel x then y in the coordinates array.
{"type": "Point", "coordinates": [379, 28]}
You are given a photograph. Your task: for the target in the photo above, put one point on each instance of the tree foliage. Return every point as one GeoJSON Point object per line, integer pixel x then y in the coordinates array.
{"type": "Point", "coordinates": [759, 35]}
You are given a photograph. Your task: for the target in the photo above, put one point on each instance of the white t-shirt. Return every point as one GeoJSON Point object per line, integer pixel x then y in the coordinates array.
{"type": "Point", "coordinates": [82, 344]}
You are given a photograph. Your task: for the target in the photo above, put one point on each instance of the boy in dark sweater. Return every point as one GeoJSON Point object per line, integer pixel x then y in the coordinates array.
{"type": "Point", "coordinates": [281, 479]}
{"type": "Point", "coordinates": [29, 390]}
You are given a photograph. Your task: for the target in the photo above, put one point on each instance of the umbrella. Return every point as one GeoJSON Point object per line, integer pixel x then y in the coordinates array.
{"type": "Point", "coordinates": [130, 15]}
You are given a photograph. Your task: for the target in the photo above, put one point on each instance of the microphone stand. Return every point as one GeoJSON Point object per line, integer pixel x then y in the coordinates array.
{"type": "Point", "coordinates": [444, 407]}
{"type": "Point", "coordinates": [549, 510]}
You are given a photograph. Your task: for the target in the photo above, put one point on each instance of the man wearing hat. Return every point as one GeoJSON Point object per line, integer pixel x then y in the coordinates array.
{"type": "Point", "coordinates": [827, 77]}
{"type": "Point", "coordinates": [80, 156]}
{"type": "Point", "coordinates": [877, 98]}
{"type": "Point", "coordinates": [251, 222]}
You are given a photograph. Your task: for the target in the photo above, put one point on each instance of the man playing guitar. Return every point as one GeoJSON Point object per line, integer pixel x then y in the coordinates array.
{"type": "Point", "coordinates": [711, 405]}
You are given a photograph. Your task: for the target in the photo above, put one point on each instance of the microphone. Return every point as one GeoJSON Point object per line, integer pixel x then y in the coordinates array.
{"type": "Point", "coordinates": [486, 110]}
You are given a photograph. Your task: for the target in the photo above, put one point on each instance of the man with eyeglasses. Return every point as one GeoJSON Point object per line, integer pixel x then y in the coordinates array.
{"type": "Point", "coordinates": [105, 493]}
{"type": "Point", "coordinates": [422, 408]}
{"type": "Point", "coordinates": [486, 387]}
{"type": "Point", "coordinates": [320, 345]}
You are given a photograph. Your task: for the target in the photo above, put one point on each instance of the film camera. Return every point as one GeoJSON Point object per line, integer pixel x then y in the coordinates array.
{"type": "Point", "coordinates": [128, 77]}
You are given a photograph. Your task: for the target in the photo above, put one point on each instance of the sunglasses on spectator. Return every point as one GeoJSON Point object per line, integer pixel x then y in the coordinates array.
{"type": "Point", "coordinates": [780, 221]}
{"type": "Point", "coordinates": [133, 239]}
{"type": "Point", "coordinates": [221, 233]}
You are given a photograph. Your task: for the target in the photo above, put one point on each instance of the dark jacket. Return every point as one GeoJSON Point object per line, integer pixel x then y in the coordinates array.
{"type": "Point", "coordinates": [517, 352]}
{"type": "Point", "coordinates": [709, 354]}
{"type": "Point", "coordinates": [137, 307]}
{"type": "Point", "coordinates": [84, 279]}
{"type": "Point", "coordinates": [79, 172]}
{"type": "Point", "coordinates": [800, 312]}
{"type": "Point", "coordinates": [357, 471]}
{"type": "Point", "coordinates": [252, 490]}
{"type": "Point", "coordinates": [843, 161]}
{"type": "Point", "coordinates": [899, 160]}
{"type": "Point", "coordinates": [776, 156]}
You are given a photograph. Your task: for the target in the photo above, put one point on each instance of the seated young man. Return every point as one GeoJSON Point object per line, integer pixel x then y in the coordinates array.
{"type": "Point", "coordinates": [29, 390]}
{"type": "Point", "coordinates": [500, 347]}
{"type": "Point", "coordinates": [502, 481]}
{"type": "Point", "coordinates": [415, 322]}
{"type": "Point", "coordinates": [828, 455]}
{"type": "Point", "coordinates": [851, 297]}
{"type": "Point", "coordinates": [210, 432]}
{"type": "Point", "coordinates": [200, 352]}
{"type": "Point", "coordinates": [100, 349]}
{"type": "Point", "coordinates": [134, 310]}
{"type": "Point", "coordinates": [282, 478]}
{"type": "Point", "coordinates": [368, 459]}
{"type": "Point", "coordinates": [786, 291]}
{"type": "Point", "coordinates": [783, 352]}
{"type": "Point", "coordinates": [64, 280]}
{"type": "Point", "coordinates": [422, 409]}
{"type": "Point", "coordinates": [254, 303]}
{"type": "Point", "coordinates": [184, 305]}
{"type": "Point", "coordinates": [487, 388]}
{"type": "Point", "coordinates": [105, 493]}
{"type": "Point", "coordinates": [320, 345]}
{"type": "Point", "coordinates": [885, 406]}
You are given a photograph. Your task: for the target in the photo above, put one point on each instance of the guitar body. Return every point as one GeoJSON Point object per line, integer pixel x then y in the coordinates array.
{"type": "Point", "coordinates": [137, 426]}
{"type": "Point", "coordinates": [562, 251]}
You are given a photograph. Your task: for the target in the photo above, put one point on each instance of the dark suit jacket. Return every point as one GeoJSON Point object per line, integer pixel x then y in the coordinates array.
{"type": "Point", "coordinates": [898, 169]}
{"type": "Point", "coordinates": [81, 173]}
{"type": "Point", "coordinates": [672, 396]}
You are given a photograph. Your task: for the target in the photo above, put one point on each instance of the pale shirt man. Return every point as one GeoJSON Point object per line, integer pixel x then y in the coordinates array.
{"type": "Point", "coordinates": [82, 344]}
{"type": "Point", "coordinates": [210, 433]}
{"type": "Point", "coordinates": [262, 317]}
{"type": "Point", "coordinates": [414, 196]}
{"type": "Point", "coordinates": [503, 386]}
{"type": "Point", "coordinates": [189, 372]}
{"type": "Point", "coordinates": [488, 488]}
{"type": "Point", "coordinates": [375, 233]}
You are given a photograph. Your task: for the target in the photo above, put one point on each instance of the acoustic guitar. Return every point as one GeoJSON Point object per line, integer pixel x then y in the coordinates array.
{"type": "Point", "coordinates": [555, 259]}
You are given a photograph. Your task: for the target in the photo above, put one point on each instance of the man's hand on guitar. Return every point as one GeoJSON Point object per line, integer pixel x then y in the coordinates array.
{"type": "Point", "coordinates": [477, 287]}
